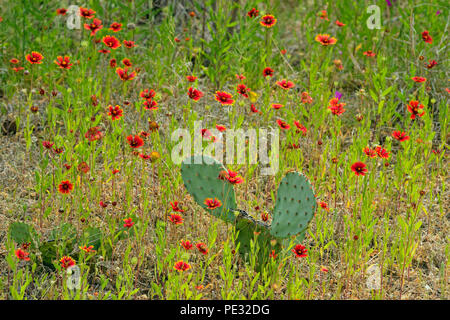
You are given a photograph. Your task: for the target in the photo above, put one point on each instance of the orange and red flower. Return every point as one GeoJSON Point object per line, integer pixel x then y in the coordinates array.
{"type": "Point", "coordinates": [306, 98]}
{"type": "Point", "coordinates": [231, 176]}
{"type": "Point", "coordinates": [419, 79]}
{"type": "Point", "coordinates": [191, 78]}
{"type": "Point", "coordinates": [426, 37]}
{"type": "Point", "coordinates": [111, 42]}
{"type": "Point", "coordinates": [181, 266]}
{"type": "Point", "coordinates": [369, 53]}
{"type": "Point", "coordinates": [212, 204]}
{"type": "Point", "coordinates": [93, 134]}
{"type": "Point", "coordinates": [336, 107]}
{"type": "Point", "coordinates": [359, 168]}
{"type": "Point", "coordinates": [128, 223]}
{"type": "Point", "coordinates": [34, 57]}
{"type": "Point", "coordinates": [61, 11]}
{"type": "Point", "coordinates": [87, 13]}
{"type": "Point", "coordinates": [175, 218]}
{"type": "Point", "coordinates": [115, 112]}
{"type": "Point", "coordinates": [94, 26]}
{"type": "Point", "coordinates": [285, 84]}
{"type": "Point", "coordinates": [268, 21]}
{"type": "Point", "coordinates": [414, 107]}
{"type": "Point", "coordinates": [194, 94]}
{"type": "Point", "coordinates": [187, 245]}
{"type": "Point", "coordinates": [115, 27]}
{"type": "Point", "coordinates": [123, 74]}
{"type": "Point", "coordinates": [129, 44]}
{"type": "Point", "coordinates": [283, 125]}
{"type": "Point", "coordinates": [268, 72]}
{"type": "Point", "coordinates": [253, 13]}
{"type": "Point", "coordinates": [202, 248]}
{"type": "Point", "coordinates": [400, 136]}
{"type": "Point", "coordinates": [67, 262]}
{"type": "Point", "coordinates": [63, 63]}
{"type": "Point", "coordinates": [339, 24]}
{"type": "Point", "coordinates": [276, 106]}
{"type": "Point", "coordinates": [325, 39]}
{"type": "Point", "coordinates": [300, 251]}
{"type": "Point", "coordinates": [135, 142]}
{"type": "Point", "coordinates": [175, 207]}
{"type": "Point", "coordinates": [224, 98]}
{"type": "Point", "coordinates": [22, 255]}
{"type": "Point", "coordinates": [65, 187]}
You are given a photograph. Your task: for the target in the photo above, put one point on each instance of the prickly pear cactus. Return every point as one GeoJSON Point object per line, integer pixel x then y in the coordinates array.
{"type": "Point", "coordinates": [201, 178]}
{"type": "Point", "coordinates": [295, 206]}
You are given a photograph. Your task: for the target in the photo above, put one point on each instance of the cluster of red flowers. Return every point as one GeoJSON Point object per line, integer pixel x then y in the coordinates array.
{"type": "Point", "coordinates": [378, 151]}
{"type": "Point", "coordinates": [149, 96]}
{"type": "Point", "coordinates": [336, 107]}
{"type": "Point", "coordinates": [231, 176]}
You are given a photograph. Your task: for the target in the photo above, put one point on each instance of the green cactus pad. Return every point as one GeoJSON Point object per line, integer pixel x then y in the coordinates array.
{"type": "Point", "coordinates": [295, 206]}
{"type": "Point", "coordinates": [201, 179]}
{"type": "Point", "coordinates": [247, 227]}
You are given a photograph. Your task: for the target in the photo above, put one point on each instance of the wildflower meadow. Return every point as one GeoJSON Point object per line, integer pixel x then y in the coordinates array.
{"type": "Point", "coordinates": [224, 150]}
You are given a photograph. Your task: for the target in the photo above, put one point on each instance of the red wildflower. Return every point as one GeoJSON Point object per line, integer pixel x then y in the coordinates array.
{"type": "Point", "coordinates": [67, 262]}
{"type": "Point", "coordinates": [253, 13]}
{"type": "Point", "coordinates": [382, 153]}
{"type": "Point", "coordinates": [22, 255]}
{"type": "Point", "coordinates": [300, 127]}
{"type": "Point", "coordinates": [104, 51]}
{"type": "Point", "coordinates": [87, 249]}
{"type": "Point", "coordinates": [243, 90]}
{"type": "Point", "coordinates": [370, 152]}
{"type": "Point", "coordinates": [224, 98]}
{"type": "Point", "coordinates": [276, 106]}
{"type": "Point", "coordinates": [61, 12]}
{"type": "Point", "coordinates": [220, 128]}
{"type": "Point", "coordinates": [103, 204]}
{"type": "Point", "coordinates": [285, 84]}
{"type": "Point", "coordinates": [87, 13]}
{"type": "Point", "coordinates": [191, 78]}
{"type": "Point", "coordinates": [135, 142]}
{"type": "Point", "coordinates": [306, 98]}
{"type": "Point", "coordinates": [240, 77]}
{"type": "Point", "coordinates": [129, 44]}
{"type": "Point", "coordinates": [231, 176]}
{"type": "Point", "coordinates": [187, 245]}
{"type": "Point", "coordinates": [336, 107]}
{"type": "Point", "coordinates": [128, 223]}
{"type": "Point", "coordinates": [273, 255]}
{"type": "Point", "coordinates": [65, 187]}
{"type": "Point", "coordinates": [325, 39]}
{"type": "Point", "coordinates": [47, 144]}
{"type": "Point", "coordinates": [115, 26]}
{"type": "Point", "coordinates": [83, 167]}
{"type": "Point", "coordinates": [112, 63]}
{"type": "Point", "coordinates": [123, 74]}
{"type": "Point", "coordinates": [34, 57]}
{"type": "Point", "coordinates": [127, 62]}
{"type": "Point", "coordinates": [339, 24]}
{"type": "Point", "coordinates": [268, 72]}
{"type": "Point", "coordinates": [324, 205]}
{"type": "Point", "coordinates": [414, 108]}
{"type": "Point", "coordinates": [194, 94]}
{"type": "Point", "coordinates": [151, 104]}
{"type": "Point", "coordinates": [111, 42]}
{"type": "Point", "coordinates": [115, 112]}
{"type": "Point", "coordinates": [426, 37]}
{"type": "Point", "coordinates": [212, 203]}
{"type": "Point", "coordinates": [253, 109]}
{"type": "Point", "coordinates": [175, 218]}
{"type": "Point", "coordinates": [63, 63]}
{"type": "Point", "coordinates": [14, 61]}
{"type": "Point", "coordinates": [202, 248]}
{"type": "Point", "coordinates": [359, 168]}
{"type": "Point", "coordinates": [419, 79]}
{"type": "Point", "coordinates": [148, 94]}
{"type": "Point", "coordinates": [175, 207]}
{"type": "Point", "coordinates": [323, 15]}
{"type": "Point", "coordinates": [93, 134]}
{"type": "Point", "coordinates": [264, 216]}
{"type": "Point", "coordinates": [400, 136]}
{"type": "Point", "coordinates": [431, 64]}
{"type": "Point", "coordinates": [268, 21]}
{"type": "Point", "coordinates": [369, 53]}
{"type": "Point", "coordinates": [300, 251]}
{"type": "Point", "coordinates": [283, 125]}
{"type": "Point", "coordinates": [181, 266]}
{"type": "Point", "coordinates": [94, 26]}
